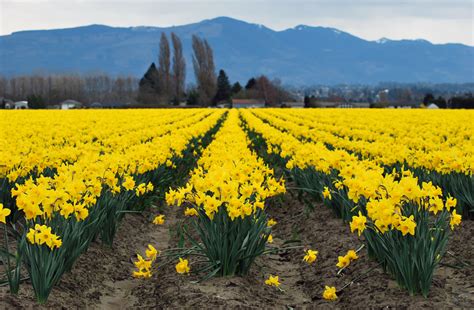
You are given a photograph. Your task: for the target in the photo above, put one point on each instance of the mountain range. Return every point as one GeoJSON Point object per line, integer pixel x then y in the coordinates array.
{"type": "Point", "coordinates": [302, 55]}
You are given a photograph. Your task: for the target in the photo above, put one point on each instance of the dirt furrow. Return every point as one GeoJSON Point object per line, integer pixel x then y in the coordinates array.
{"type": "Point", "coordinates": [102, 277]}
{"type": "Point", "coordinates": [124, 294]}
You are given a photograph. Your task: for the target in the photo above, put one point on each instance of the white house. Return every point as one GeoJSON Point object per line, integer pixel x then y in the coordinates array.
{"type": "Point", "coordinates": [432, 106]}
{"type": "Point", "coordinates": [7, 103]}
{"type": "Point", "coordinates": [20, 105]}
{"type": "Point", "coordinates": [70, 104]}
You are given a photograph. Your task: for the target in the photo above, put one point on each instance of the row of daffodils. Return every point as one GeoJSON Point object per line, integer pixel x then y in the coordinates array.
{"type": "Point", "coordinates": [226, 197]}
{"type": "Point", "coordinates": [225, 201]}
{"type": "Point", "coordinates": [436, 147]}
{"type": "Point", "coordinates": [72, 176]}
{"type": "Point", "coordinates": [426, 139]}
{"type": "Point", "coordinates": [405, 222]}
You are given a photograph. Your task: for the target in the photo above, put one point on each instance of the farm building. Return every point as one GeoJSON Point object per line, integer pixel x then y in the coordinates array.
{"type": "Point", "coordinates": [7, 103]}
{"type": "Point", "coordinates": [20, 105]}
{"type": "Point", "coordinates": [70, 104]}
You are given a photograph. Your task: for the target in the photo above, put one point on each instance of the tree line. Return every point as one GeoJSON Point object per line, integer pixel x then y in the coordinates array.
{"type": "Point", "coordinates": [465, 101]}
{"type": "Point", "coordinates": [53, 89]}
{"type": "Point", "coordinates": [163, 83]}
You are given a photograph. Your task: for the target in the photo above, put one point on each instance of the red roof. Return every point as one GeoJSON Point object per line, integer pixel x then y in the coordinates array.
{"type": "Point", "coordinates": [247, 101]}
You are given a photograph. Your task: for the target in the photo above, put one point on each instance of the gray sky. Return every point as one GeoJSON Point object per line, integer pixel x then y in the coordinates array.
{"type": "Point", "coordinates": [438, 21]}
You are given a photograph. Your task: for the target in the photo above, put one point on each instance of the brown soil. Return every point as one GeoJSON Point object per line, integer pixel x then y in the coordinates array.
{"type": "Point", "coordinates": [321, 230]}
{"type": "Point", "coordinates": [102, 278]}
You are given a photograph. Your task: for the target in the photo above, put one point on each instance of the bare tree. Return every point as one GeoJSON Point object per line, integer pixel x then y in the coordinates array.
{"type": "Point", "coordinates": [54, 89]}
{"type": "Point", "coordinates": [271, 91]}
{"type": "Point", "coordinates": [164, 68]}
{"type": "Point", "coordinates": [204, 69]}
{"type": "Point", "coordinates": [3, 86]}
{"type": "Point", "coordinates": [179, 69]}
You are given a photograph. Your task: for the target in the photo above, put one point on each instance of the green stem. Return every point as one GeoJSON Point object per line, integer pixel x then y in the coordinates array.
{"type": "Point", "coordinates": [276, 250]}
{"type": "Point", "coordinates": [357, 251]}
{"type": "Point", "coordinates": [459, 260]}
{"type": "Point", "coordinates": [304, 189]}
{"type": "Point", "coordinates": [358, 277]}
{"type": "Point", "coordinates": [8, 267]}
{"type": "Point", "coordinates": [21, 280]}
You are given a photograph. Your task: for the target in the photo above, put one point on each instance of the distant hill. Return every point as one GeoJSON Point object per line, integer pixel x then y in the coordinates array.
{"type": "Point", "coordinates": [300, 55]}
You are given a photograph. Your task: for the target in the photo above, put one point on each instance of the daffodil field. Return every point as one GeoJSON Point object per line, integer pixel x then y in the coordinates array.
{"type": "Point", "coordinates": [68, 179]}
{"type": "Point", "coordinates": [405, 218]}
{"type": "Point", "coordinates": [401, 181]}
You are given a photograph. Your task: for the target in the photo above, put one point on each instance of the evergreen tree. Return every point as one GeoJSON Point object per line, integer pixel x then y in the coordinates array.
{"type": "Point", "coordinates": [236, 88]}
{"type": "Point", "coordinates": [251, 83]}
{"type": "Point", "coordinates": [429, 98]}
{"type": "Point", "coordinates": [150, 79]}
{"type": "Point", "coordinates": [193, 96]}
{"type": "Point", "coordinates": [36, 102]}
{"type": "Point", "coordinates": [149, 86]}
{"type": "Point", "coordinates": [307, 101]}
{"type": "Point", "coordinates": [441, 102]}
{"type": "Point", "coordinates": [224, 90]}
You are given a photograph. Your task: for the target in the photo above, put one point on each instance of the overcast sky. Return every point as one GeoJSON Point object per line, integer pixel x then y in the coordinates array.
{"type": "Point", "coordinates": [438, 21]}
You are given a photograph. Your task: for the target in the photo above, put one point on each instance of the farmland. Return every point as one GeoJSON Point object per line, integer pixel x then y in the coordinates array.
{"type": "Point", "coordinates": [231, 208]}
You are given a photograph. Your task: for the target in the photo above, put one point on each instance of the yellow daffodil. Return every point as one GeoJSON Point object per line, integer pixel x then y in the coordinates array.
{"type": "Point", "coordinates": [358, 223]}
{"type": "Point", "coordinates": [329, 293]}
{"type": "Point", "coordinates": [190, 212]}
{"type": "Point", "coordinates": [159, 220]}
{"type": "Point", "coordinates": [151, 252]}
{"type": "Point", "coordinates": [182, 266]}
{"type": "Point", "coordinates": [352, 255]}
{"type": "Point", "coordinates": [128, 183]}
{"type": "Point", "coordinates": [142, 274]}
{"type": "Point", "coordinates": [270, 239]}
{"type": "Point", "coordinates": [407, 226]}
{"type": "Point", "coordinates": [343, 261]}
{"type": "Point", "coordinates": [42, 234]}
{"type": "Point", "coordinates": [272, 281]}
{"type": "Point", "coordinates": [327, 193]}
{"type": "Point", "coordinates": [455, 219]}
{"type": "Point", "coordinates": [451, 203]}
{"type": "Point", "coordinates": [271, 222]}
{"type": "Point", "coordinates": [310, 256]}
{"type": "Point", "coordinates": [4, 212]}
{"type": "Point", "coordinates": [142, 264]}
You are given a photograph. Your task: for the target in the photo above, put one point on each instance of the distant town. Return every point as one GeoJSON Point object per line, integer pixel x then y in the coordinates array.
{"type": "Point", "coordinates": [124, 93]}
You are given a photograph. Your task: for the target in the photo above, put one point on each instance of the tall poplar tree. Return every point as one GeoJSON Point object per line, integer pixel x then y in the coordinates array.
{"type": "Point", "coordinates": [179, 69]}
{"type": "Point", "coordinates": [164, 72]}
{"type": "Point", "coordinates": [204, 70]}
